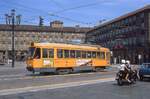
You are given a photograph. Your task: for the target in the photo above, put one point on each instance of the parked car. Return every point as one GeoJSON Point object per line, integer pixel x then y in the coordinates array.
{"type": "Point", "coordinates": [144, 71]}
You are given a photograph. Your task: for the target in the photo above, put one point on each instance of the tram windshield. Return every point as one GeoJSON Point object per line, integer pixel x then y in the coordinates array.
{"type": "Point", "coordinates": [31, 52]}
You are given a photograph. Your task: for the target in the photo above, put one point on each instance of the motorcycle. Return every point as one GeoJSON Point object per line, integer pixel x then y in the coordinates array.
{"type": "Point", "coordinates": [120, 77]}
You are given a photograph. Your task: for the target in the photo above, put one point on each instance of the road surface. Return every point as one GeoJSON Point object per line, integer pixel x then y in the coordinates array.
{"type": "Point", "coordinates": [17, 83]}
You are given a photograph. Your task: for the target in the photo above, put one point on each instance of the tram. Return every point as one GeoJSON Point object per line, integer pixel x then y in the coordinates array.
{"type": "Point", "coordinates": [66, 58]}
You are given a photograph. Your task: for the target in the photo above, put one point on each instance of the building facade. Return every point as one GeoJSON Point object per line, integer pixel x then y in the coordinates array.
{"type": "Point", "coordinates": [128, 36]}
{"type": "Point", "coordinates": [25, 34]}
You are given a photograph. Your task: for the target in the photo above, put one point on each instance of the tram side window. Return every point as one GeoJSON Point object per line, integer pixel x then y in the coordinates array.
{"type": "Point", "coordinates": [31, 51]}
{"type": "Point", "coordinates": [98, 54]}
{"type": "Point", "coordinates": [102, 55]}
{"type": "Point", "coordinates": [89, 55]}
{"type": "Point", "coordinates": [72, 53]}
{"type": "Point", "coordinates": [108, 55]}
{"type": "Point", "coordinates": [93, 54]}
{"type": "Point", "coordinates": [51, 53]}
{"type": "Point", "coordinates": [83, 54]}
{"type": "Point", "coordinates": [66, 53]}
{"type": "Point", "coordinates": [37, 54]}
{"type": "Point", "coordinates": [60, 53]}
{"type": "Point", "coordinates": [78, 54]}
{"type": "Point", "coordinates": [45, 53]}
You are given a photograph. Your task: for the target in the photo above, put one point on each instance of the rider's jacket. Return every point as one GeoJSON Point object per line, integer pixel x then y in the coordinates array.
{"type": "Point", "coordinates": [122, 67]}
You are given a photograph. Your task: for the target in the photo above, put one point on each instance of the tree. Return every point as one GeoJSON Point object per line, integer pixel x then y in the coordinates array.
{"type": "Point", "coordinates": [41, 21]}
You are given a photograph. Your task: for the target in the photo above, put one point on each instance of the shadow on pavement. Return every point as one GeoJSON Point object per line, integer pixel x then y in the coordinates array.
{"type": "Point", "coordinates": [75, 72]}
{"type": "Point", "coordinates": [146, 80]}
{"type": "Point", "coordinates": [125, 85]}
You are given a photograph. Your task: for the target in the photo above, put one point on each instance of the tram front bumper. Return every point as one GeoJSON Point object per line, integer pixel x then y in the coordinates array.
{"type": "Point", "coordinates": [30, 68]}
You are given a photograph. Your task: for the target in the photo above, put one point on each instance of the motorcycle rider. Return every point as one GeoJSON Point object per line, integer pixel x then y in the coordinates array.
{"type": "Point", "coordinates": [128, 64]}
{"type": "Point", "coordinates": [125, 73]}
{"type": "Point", "coordinates": [122, 67]}
{"type": "Point", "coordinates": [127, 70]}
{"type": "Point", "coordinates": [133, 69]}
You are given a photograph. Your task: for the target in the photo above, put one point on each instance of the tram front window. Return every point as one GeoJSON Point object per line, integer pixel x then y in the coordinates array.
{"type": "Point", "coordinates": [37, 54]}
{"type": "Point", "coordinates": [31, 52]}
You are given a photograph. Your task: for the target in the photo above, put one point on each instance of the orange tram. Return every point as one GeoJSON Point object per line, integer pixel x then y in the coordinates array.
{"type": "Point", "coordinates": [66, 58]}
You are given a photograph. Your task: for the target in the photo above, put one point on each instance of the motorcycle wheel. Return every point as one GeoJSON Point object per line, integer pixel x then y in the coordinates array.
{"type": "Point", "coordinates": [141, 78]}
{"type": "Point", "coordinates": [133, 81]}
{"type": "Point", "coordinates": [119, 82]}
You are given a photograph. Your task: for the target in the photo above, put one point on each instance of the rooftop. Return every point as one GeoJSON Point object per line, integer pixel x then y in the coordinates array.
{"type": "Point", "coordinates": [77, 46]}
{"type": "Point", "coordinates": [123, 16]}
{"type": "Point", "coordinates": [4, 27]}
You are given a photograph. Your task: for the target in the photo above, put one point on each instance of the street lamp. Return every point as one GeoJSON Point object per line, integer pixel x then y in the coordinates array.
{"type": "Point", "coordinates": [13, 20]}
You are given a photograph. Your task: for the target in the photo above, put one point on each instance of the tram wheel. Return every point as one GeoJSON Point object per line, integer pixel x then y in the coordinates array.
{"type": "Point", "coordinates": [64, 71]}
{"type": "Point", "coordinates": [98, 69]}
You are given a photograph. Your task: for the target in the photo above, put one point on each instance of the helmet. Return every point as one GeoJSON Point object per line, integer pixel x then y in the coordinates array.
{"type": "Point", "coordinates": [127, 61]}
{"type": "Point", "coordinates": [123, 61]}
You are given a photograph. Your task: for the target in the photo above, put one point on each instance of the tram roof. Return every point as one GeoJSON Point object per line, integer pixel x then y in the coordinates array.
{"type": "Point", "coordinates": [76, 46]}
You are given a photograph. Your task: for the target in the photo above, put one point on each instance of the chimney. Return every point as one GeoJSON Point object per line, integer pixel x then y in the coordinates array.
{"type": "Point", "coordinates": [56, 24]}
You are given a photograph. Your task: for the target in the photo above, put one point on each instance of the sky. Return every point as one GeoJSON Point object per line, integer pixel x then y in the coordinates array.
{"type": "Point", "coordinates": [71, 12]}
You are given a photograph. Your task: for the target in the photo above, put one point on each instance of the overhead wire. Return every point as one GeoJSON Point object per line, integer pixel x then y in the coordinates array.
{"type": "Point", "coordinates": [22, 7]}
{"type": "Point", "coordinates": [53, 14]}
{"type": "Point", "coordinates": [77, 7]}
{"type": "Point", "coordinates": [69, 19]}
